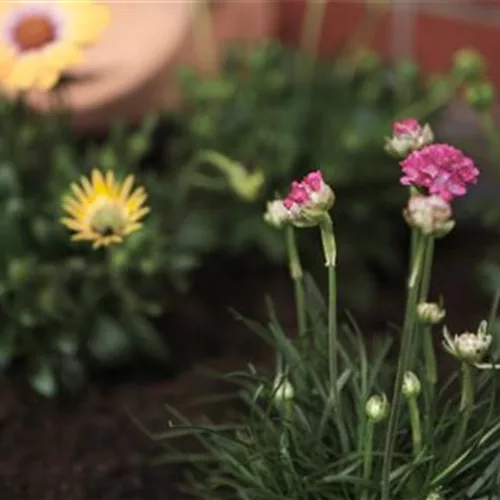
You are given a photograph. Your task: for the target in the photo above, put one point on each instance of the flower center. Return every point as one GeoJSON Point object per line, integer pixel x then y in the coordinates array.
{"type": "Point", "coordinates": [108, 220]}
{"type": "Point", "coordinates": [34, 32]}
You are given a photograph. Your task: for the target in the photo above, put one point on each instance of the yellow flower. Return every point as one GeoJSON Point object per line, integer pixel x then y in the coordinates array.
{"type": "Point", "coordinates": [39, 40]}
{"type": "Point", "coordinates": [102, 210]}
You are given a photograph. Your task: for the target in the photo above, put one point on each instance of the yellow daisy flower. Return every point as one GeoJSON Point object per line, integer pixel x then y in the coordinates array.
{"type": "Point", "coordinates": [102, 210]}
{"type": "Point", "coordinates": [39, 40]}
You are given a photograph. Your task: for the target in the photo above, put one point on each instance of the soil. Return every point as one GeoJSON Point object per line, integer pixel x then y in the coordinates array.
{"type": "Point", "coordinates": [90, 449]}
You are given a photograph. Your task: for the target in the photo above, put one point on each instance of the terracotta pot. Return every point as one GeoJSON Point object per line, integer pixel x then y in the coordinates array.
{"type": "Point", "coordinates": [132, 69]}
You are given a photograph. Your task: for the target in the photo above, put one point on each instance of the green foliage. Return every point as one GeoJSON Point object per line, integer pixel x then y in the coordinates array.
{"type": "Point", "coordinates": [292, 448]}
{"type": "Point", "coordinates": [272, 109]}
{"type": "Point", "coordinates": [63, 306]}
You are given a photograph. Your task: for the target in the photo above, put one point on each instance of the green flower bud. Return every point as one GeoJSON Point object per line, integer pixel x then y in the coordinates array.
{"type": "Point", "coordinates": [411, 385]}
{"type": "Point", "coordinates": [468, 64]}
{"type": "Point", "coordinates": [377, 408]}
{"type": "Point", "coordinates": [283, 390]}
{"type": "Point", "coordinates": [480, 96]}
{"type": "Point", "coordinates": [430, 313]}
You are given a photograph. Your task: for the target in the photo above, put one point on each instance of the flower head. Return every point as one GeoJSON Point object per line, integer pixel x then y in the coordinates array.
{"type": "Point", "coordinates": [40, 40]}
{"type": "Point", "coordinates": [309, 200]}
{"type": "Point", "coordinates": [441, 169]}
{"type": "Point", "coordinates": [411, 385]}
{"type": "Point", "coordinates": [432, 215]}
{"type": "Point", "coordinates": [408, 135]}
{"type": "Point", "coordinates": [430, 313]}
{"type": "Point", "coordinates": [103, 210]}
{"type": "Point", "coordinates": [377, 408]}
{"type": "Point", "coordinates": [468, 347]}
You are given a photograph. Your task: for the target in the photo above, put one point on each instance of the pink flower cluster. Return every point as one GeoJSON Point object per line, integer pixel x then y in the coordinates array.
{"type": "Point", "coordinates": [312, 188]}
{"type": "Point", "coordinates": [442, 169]}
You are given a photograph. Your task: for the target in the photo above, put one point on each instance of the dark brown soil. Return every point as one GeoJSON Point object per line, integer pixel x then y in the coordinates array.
{"type": "Point", "coordinates": [91, 450]}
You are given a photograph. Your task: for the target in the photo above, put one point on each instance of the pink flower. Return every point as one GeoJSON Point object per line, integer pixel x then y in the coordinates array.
{"type": "Point", "coordinates": [442, 169]}
{"type": "Point", "coordinates": [408, 135]}
{"type": "Point", "coordinates": [309, 200]}
{"type": "Point", "coordinates": [408, 126]}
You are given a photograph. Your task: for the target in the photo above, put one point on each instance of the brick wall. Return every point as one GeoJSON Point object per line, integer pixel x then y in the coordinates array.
{"type": "Point", "coordinates": [430, 31]}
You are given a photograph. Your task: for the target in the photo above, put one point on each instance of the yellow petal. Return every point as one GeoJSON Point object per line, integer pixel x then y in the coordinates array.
{"type": "Point", "coordinates": [99, 183]}
{"type": "Point", "coordinates": [126, 188]}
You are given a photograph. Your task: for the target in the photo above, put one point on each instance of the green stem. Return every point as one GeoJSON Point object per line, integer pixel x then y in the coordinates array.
{"type": "Point", "coordinates": [367, 457]}
{"type": "Point", "coordinates": [330, 253]}
{"type": "Point", "coordinates": [416, 429]}
{"type": "Point", "coordinates": [428, 345]}
{"type": "Point", "coordinates": [429, 355]}
{"type": "Point", "coordinates": [403, 362]}
{"type": "Point", "coordinates": [427, 270]}
{"type": "Point", "coordinates": [297, 276]}
{"type": "Point", "coordinates": [332, 332]}
{"type": "Point", "coordinates": [466, 407]}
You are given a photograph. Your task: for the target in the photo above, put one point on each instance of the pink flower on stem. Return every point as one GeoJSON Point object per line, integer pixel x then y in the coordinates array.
{"type": "Point", "coordinates": [408, 126]}
{"type": "Point", "coordinates": [440, 168]}
{"type": "Point", "coordinates": [407, 136]}
{"type": "Point", "coordinates": [307, 202]}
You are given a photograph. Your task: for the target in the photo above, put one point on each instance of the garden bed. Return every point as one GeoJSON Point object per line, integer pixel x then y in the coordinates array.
{"type": "Point", "coordinates": [91, 449]}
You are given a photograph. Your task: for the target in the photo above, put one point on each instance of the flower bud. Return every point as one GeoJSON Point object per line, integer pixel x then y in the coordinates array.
{"type": "Point", "coordinates": [430, 214]}
{"type": "Point", "coordinates": [468, 347]}
{"type": "Point", "coordinates": [408, 135]}
{"type": "Point", "coordinates": [411, 385]}
{"type": "Point", "coordinates": [283, 389]}
{"type": "Point", "coordinates": [377, 408]}
{"type": "Point", "coordinates": [480, 96]}
{"type": "Point", "coordinates": [430, 313]}
{"type": "Point", "coordinates": [468, 64]}
{"type": "Point", "coordinates": [276, 214]}
{"type": "Point", "coordinates": [309, 200]}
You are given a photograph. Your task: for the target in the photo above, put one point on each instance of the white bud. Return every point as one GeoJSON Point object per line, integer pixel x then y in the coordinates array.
{"type": "Point", "coordinates": [411, 385]}
{"type": "Point", "coordinates": [377, 407]}
{"type": "Point", "coordinates": [283, 389]}
{"type": "Point", "coordinates": [430, 214]}
{"type": "Point", "coordinates": [430, 313]}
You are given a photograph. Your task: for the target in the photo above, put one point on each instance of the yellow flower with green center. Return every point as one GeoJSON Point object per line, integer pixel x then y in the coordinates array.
{"type": "Point", "coordinates": [102, 210]}
{"type": "Point", "coordinates": [40, 40]}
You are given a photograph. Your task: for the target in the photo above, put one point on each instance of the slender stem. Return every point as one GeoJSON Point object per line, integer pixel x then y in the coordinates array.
{"type": "Point", "coordinates": [403, 362]}
{"type": "Point", "coordinates": [429, 355]}
{"type": "Point", "coordinates": [313, 22]}
{"type": "Point", "coordinates": [466, 407]}
{"type": "Point", "coordinates": [332, 332]}
{"type": "Point", "coordinates": [330, 253]}
{"type": "Point", "coordinates": [297, 276]}
{"type": "Point", "coordinates": [416, 429]}
{"type": "Point", "coordinates": [367, 457]}
{"type": "Point", "coordinates": [428, 345]}
{"type": "Point", "coordinates": [427, 270]}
